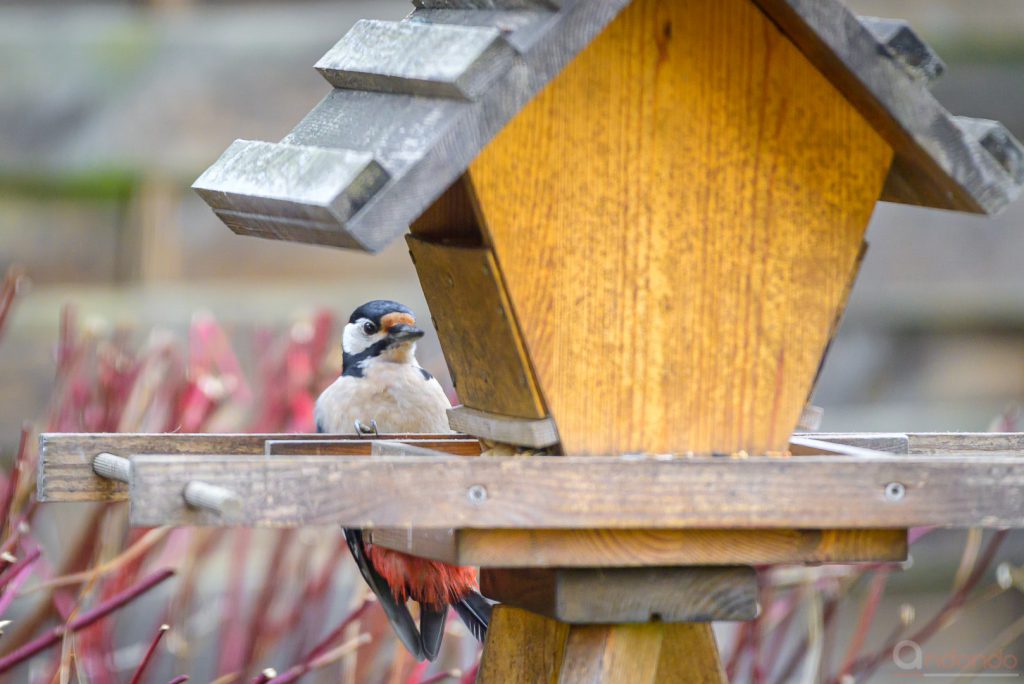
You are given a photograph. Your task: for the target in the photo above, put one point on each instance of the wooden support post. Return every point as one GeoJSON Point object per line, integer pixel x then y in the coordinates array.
{"type": "Point", "coordinates": [525, 647]}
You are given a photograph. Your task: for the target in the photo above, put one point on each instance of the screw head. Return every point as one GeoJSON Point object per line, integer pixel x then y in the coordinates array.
{"type": "Point", "coordinates": [895, 491]}
{"type": "Point", "coordinates": [477, 493]}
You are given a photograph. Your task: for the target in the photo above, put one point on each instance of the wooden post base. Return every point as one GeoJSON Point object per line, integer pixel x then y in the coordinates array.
{"type": "Point", "coordinates": [525, 647]}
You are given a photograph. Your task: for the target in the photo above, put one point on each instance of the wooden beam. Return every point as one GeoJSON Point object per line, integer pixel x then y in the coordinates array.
{"type": "Point", "coordinates": [964, 443]}
{"type": "Point", "coordinates": [809, 446]}
{"type": "Point", "coordinates": [689, 653]}
{"type": "Point", "coordinates": [477, 329]}
{"type": "Point", "coordinates": [537, 433]}
{"type": "Point", "coordinates": [65, 463]}
{"type": "Point", "coordinates": [592, 492]}
{"type": "Point", "coordinates": [641, 654]}
{"type": "Point", "coordinates": [522, 647]}
{"type": "Point", "coordinates": [890, 443]}
{"type": "Point", "coordinates": [65, 459]}
{"type": "Point", "coordinates": [624, 548]}
{"type": "Point", "coordinates": [589, 596]}
{"type": "Point", "coordinates": [453, 444]}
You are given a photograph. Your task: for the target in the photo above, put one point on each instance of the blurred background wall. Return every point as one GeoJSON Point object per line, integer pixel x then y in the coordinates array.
{"type": "Point", "coordinates": [108, 111]}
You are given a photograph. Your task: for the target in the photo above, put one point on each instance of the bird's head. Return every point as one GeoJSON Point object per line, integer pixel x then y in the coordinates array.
{"type": "Point", "coordinates": [380, 330]}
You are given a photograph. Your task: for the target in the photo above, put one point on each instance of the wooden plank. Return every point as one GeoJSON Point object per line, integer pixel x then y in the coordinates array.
{"type": "Point", "coordinates": [625, 548]}
{"type": "Point", "coordinates": [477, 329]}
{"type": "Point", "coordinates": [650, 283]}
{"type": "Point", "coordinates": [689, 654]}
{"type": "Point", "coordinates": [522, 647]}
{"type": "Point", "coordinates": [590, 596]}
{"type": "Point", "coordinates": [889, 442]}
{"type": "Point", "coordinates": [612, 654]}
{"type": "Point", "coordinates": [592, 492]}
{"type": "Point", "coordinates": [362, 447]}
{"type": "Point", "coordinates": [65, 459]}
{"type": "Point", "coordinates": [938, 164]}
{"type": "Point", "coordinates": [807, 446]}
{"type": "Point", "coordinates": [308, 184]}
{"type": "Point", "coordinates": [537, 433]}
{"type": "Point", "coordinates": [416, 58]}
{"type": "Point", "coordinates": [642, 654]}
{"type": "Point", "coordinates": [965, 443]}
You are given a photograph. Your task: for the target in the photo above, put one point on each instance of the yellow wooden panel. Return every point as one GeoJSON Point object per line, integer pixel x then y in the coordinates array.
{"type": "Point", "coordinates": [476, 328]}
{"type": "Point", "coordinates": [689, 655]}
{"type": "Point", "coordinates": [630, 548]}
{"type": "Point", "coordinates": [612, 654]}
{"type": "Point", "coordinates": [522, 647]}
{"type": "Point", "coordinates": [676, 217]}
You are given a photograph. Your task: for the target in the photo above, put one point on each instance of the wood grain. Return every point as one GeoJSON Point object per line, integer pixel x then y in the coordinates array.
{"type": "Point", "coordinates": [522, 647]}
{"type": "Point", "coordinates": [476, 328]}
{"type": "Point", "coordinates": [537, 433]}
{"type": "Point", "coordinates": [965, 443]}
{"type": "Point", "coordinates": [689, 655]}
{"type": "Point", "coordinates": [624, 548]}
{"type": "Point", "coordinates": [889, 442]}
{"type": "Point", "coordinates": [938, 164]}
{"type": "Point", "coordinates": [591, 492]}
{"type": "Point", "coordinates": [620, 595]}
{"type": "Point", "coordinates": [678, 238]}
{"type": "Point", "coordinates": [65, 459]}
{"type": "Point", "coordinates": [362, 447]}
{"type": "Point", "coordinates": [416, 58]}
{"type": "Point", "coordinates": [642, 654]}
{"type": "Point", "coordinates": [612, 654]}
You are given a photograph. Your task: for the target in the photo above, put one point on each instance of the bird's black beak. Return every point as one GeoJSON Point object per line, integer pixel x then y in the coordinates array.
{"type": "Point", "coordinates": [404, 333]}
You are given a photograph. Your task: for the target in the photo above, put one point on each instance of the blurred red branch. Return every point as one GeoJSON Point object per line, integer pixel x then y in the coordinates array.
{"type": "Point", "coordinates": [55, 635]}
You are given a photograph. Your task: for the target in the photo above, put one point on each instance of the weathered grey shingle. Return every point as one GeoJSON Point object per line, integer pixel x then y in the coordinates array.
{"type": "Point", "coordinates": [417, 100]}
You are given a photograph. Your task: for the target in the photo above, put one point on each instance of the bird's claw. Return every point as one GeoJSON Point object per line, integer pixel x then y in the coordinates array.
{"type": "Point", "coordinates": [367, 430]}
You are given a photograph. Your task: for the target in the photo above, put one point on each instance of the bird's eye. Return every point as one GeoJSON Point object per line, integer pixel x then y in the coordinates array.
{"type": "Point", "coordinates": [369, 327]}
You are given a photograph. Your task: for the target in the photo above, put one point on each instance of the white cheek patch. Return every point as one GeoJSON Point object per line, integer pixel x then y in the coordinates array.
{"type": "Point", "coordinates": [354, 340]}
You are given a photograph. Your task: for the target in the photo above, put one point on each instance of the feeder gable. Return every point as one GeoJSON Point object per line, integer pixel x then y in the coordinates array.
{"type": "Point", "coordinates": [420, 98]}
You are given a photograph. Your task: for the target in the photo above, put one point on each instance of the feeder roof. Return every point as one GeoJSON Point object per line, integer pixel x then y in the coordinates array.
{"type": "Point", "coordinates": [415, 101]}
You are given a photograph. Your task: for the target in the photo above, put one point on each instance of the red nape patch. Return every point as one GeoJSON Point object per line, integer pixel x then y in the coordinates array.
{"type": "Point", "coordinates": [427, 581]}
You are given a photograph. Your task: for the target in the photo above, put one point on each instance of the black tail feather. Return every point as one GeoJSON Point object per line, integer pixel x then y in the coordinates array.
{"type": "Point", "coordinates": [475, 612]}
{"type": "Point", "coordinates": [398, 615]}
{"type": "Point", "coordinates": [432, 629]}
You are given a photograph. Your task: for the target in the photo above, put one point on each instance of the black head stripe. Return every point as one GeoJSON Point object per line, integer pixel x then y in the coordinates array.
{"type": "Point", "coordinates": [350, 363]}
{"type": "Point", "coordinates": [377, 309]}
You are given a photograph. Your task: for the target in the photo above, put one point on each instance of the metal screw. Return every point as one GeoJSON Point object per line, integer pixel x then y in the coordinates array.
{"type": "Point", "coordinates": [895, 491]}
{"type": "Point", "coordinates": [477, 493]}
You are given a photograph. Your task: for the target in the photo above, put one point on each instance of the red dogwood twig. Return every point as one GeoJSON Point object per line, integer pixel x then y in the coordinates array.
{"type": "Point", "coordinates": [55, 635]}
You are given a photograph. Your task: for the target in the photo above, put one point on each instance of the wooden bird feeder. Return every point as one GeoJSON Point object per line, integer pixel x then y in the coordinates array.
{"type": "Point", "coordinates": [636, 225]}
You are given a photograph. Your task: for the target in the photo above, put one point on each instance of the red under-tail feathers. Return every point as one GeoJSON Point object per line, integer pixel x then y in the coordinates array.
{"type": "Point", "coordinates": [428, 582]}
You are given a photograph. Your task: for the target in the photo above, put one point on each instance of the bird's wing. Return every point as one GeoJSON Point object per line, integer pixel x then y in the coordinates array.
{"type": "Point", "coordinates": [398, 614]}
{"type": "Point", "coordinates": [475, 611]}
{"type": "Point", "coordinates": [432, 629]}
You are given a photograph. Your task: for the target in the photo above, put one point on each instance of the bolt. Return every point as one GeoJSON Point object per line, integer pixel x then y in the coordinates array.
{"type": "Point", "coordinates": [477, 493]}
{"type": "Point", "coordinates": [895, 491]}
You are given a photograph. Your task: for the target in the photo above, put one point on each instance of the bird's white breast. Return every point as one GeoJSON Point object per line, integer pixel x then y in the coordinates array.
{"type": "Point", "coordinates": [395, 395]}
